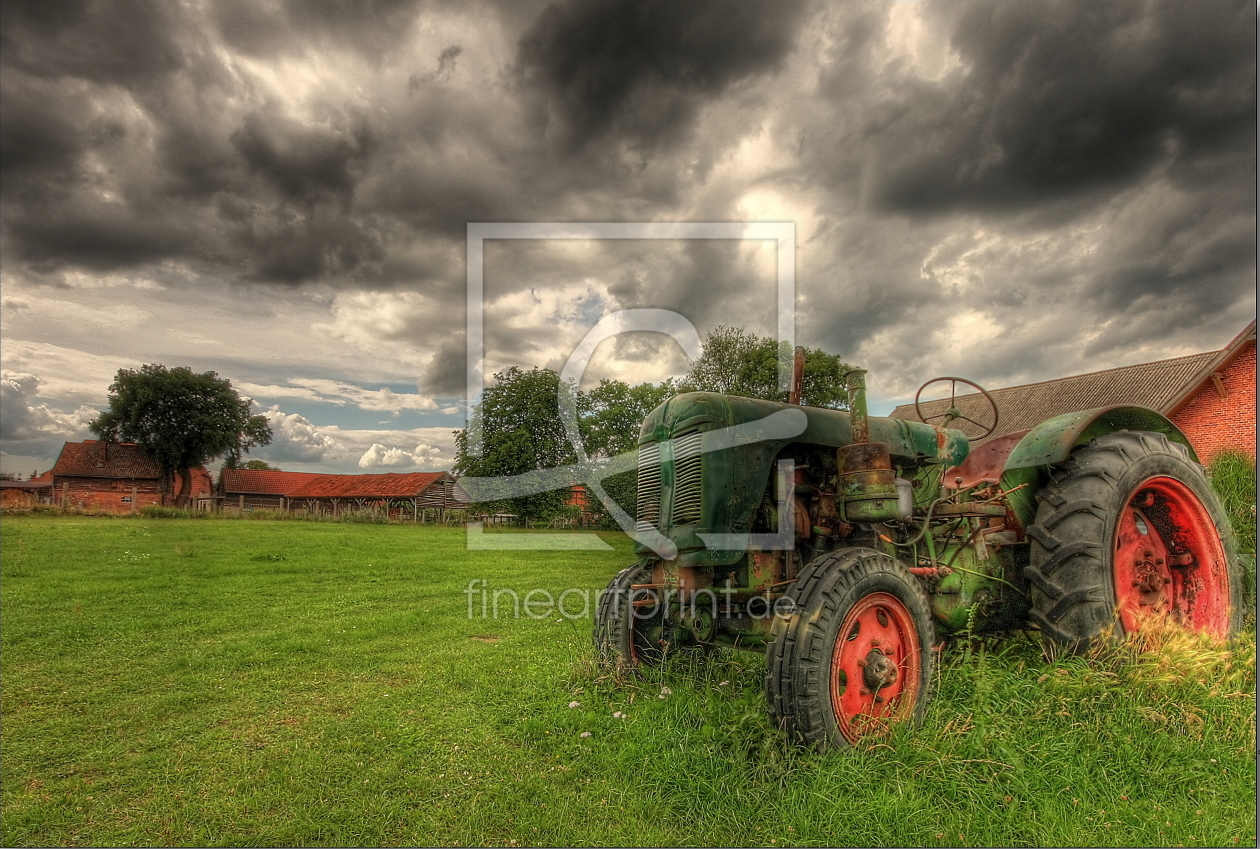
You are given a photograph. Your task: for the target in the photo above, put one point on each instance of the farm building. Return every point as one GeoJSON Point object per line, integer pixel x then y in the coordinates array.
{"type": "Point", "coordinates": [417, 494]}
{"type": "Point", "coordinates": [1210, 396]}
{"type": "Point", "coordinates": [114, 476]}
{"type": "Point", "coordinates": [37, 490]}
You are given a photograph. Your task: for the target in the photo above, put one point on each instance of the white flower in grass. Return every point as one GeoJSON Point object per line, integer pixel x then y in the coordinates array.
{"type": "Point", "coordinates": [585, 734]}
{"type": "Point", "coordinates": [574, 704]}
{"type": "Point", "coordinates": [665, 691]}
{"type": "Point", "coordinates": [618, 715]}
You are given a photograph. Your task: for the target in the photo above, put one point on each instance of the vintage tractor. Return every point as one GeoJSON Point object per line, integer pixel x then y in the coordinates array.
{"type": "Point", "coordinates": [845, 546]}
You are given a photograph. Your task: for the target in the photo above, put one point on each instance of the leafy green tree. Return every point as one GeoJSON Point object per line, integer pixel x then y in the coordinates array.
{"type": "Point", "coordinates": [609, 417]}
{"type": "Point", "coordinates": [9, 476]}
{"type": "Point", "coordinates": [181, 419]}
{"type": "Point", "coordinates": [519, 423]}
{"type": "Point", "coordinates": [737, 362]}
{"type": "Point", "coordinates": [255, 465]}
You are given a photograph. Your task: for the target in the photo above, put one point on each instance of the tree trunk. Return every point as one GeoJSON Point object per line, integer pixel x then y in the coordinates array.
{"type": "Point", "coordinates": [185, 487]}
{"type": "Point", "coordinates": [165, 486]}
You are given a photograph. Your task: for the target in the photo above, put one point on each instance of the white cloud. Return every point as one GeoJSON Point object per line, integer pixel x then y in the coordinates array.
{"type": "Point", "coordinates": [384, 399]}
{"type": "Point", "coordinates": [21, 420]}
{"type": "Point", "coordinates": [295, 439]}
{"type": "Point", "coordinates": [65, 374]}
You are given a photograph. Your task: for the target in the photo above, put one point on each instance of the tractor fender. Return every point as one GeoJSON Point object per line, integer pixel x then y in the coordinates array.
{"type": "Point", "coordinates": [1052, 441]}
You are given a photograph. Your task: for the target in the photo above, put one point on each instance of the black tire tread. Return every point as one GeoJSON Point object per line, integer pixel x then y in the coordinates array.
{"type": "Point", "coordinates": [799, 653]}
{"type": "Point", "coordinates": [1070, 577]}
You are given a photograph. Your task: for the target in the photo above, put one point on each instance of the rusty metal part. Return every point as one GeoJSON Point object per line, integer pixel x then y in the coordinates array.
{"type": "Point", "coordinates": [798, 375]}
{"type": "Point", "coordinates": [878, 671]}
{"type": "Point", "coordinates": [986, 463]}
{"type": "Point", "coordinates": [868, 490]}
{"type": "Point", "coordinates": [971, 508]}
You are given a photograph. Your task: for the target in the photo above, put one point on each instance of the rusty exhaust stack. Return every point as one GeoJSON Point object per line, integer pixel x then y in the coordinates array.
{"type": "Point", "coordinates": [798, 375]}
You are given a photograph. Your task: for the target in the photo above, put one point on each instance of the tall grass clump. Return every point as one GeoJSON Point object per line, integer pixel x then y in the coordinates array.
{"type": "Point", "coordinates": [1233, 477]}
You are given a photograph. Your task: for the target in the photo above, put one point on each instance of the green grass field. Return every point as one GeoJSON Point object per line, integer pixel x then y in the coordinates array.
{"type": "Point", "coordinates": [232, 682]}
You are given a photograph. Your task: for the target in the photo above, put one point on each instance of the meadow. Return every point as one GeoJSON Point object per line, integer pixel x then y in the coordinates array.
{"type": "Point", "coordinates": [170, 681]}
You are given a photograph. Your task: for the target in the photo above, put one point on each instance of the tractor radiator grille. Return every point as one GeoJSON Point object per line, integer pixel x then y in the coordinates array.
{"type": "Point", "coordinates": [687, 478]}
{"type": "Point", "coordinates": [649, 490]}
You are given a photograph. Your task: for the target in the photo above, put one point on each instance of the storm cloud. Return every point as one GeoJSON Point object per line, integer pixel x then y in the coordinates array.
{"type": "Point", "coordinates": [281, 190]}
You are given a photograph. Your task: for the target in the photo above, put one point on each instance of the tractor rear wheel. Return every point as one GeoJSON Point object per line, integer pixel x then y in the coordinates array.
{"type": "Point", "coordinates": [629, 623]}
{"type": "Point", "coordinates": [1129, 534]}
{"type": "Point", "coordinates": [852, 650]}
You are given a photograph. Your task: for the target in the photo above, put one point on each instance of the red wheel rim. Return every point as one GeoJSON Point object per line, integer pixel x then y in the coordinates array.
{"type": "Point", "coordinates": [875, 666]}
{"type": "Point", "coordinates": [1169, 563]}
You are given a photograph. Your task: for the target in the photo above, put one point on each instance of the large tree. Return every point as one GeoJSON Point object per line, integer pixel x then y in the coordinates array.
{"type": "Point", "coordinates": [609, 417]}
{"type": "Point", "coordinates": [737, 362]}
{"type": "Point", "coordinates": [518, 421]}
{"type": "Point", "coordinates": [181, 419]}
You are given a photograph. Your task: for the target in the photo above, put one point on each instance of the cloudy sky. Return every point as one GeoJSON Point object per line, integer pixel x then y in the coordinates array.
{"type": "Point", "coordinates": [280, 192]}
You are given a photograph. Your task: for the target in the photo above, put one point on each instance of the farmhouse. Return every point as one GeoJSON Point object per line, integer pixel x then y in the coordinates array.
{"type": "Point", "coordinates": [114, 476]}
{"type": "Point", "coordinates": [1210, 396]}
{"type": "Point", "coordinates": [415, 494]}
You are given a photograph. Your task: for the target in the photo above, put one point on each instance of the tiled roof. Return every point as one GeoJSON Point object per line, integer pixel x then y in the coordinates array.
{"type": "Point", "coordinates": [393, 485]}
{"type": "Point", "coordinates": [1155, 385]}
{"type": "Point", "coordinates": [105, 460]}
{"type": "Point", "coordinates": [315, 485]}
{"type": "Point", "coordinates": [1221, 361]}
{"type": "Point", "coordinates": [95, 459]}
{"type": "Point", "coordinates": [202, 482]}
{"type": "Point", "coordinates": [264, 481]}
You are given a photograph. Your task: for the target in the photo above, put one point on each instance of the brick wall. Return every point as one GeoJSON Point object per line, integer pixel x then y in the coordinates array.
{"type": "Point", "coordinates": [113, 494]}
{"type": "Point", "coordinates": [1214, 424]}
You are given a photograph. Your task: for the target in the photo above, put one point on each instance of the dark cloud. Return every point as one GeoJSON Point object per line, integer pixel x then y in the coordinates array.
{"type": "Point", "coordinates": [372, 28]}
{"type": "Point", "coordinates": [1081, 175]}
{"type": "Point", "coordinates": [642, 70]}
{"type": "Point", "coordinates": [1068, 99]}
{"type": "Point", "coordinates": [127, 42]}
{"type": "Point", "coordinates": [303, 163]}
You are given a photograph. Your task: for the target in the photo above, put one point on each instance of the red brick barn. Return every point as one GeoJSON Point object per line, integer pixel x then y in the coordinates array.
{"type": "Point", "coordinates": [1217, 407]}
{"type": "Point", "coordinates": [1210, 396]}
{"type": "Point", "coordinates": [113, 476]}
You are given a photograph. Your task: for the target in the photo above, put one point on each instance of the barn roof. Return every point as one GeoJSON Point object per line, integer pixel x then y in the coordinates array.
{"type": "Point", "coordinates": [390, 485]}
{"type": "Point", "coordinates": [317, 485]}
{"type": "Point", "coordinates": [264, 481]}
{"type": "Point", "coordinates": [1218, 363]}
{"type": "Point", "coordinates": [1155, 385]}
{"type": "Point", "coordinates": [105, 460]}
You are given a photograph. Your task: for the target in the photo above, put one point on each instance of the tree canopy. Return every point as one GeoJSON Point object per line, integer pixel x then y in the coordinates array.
{"type": "Point", "coordinates": [518, 420]}
{"type": "Point", "coordinates": [252, 465]}
{"type": "Point", "coordinates": [737, 362]}
{"type": "Point", "coordinates": [180, 418]}
{"type": "Point", "coordinates": [521, 431]}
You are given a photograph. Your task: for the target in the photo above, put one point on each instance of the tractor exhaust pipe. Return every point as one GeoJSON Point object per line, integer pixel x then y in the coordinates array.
{"type": "Point", "coordinates": [798, 375]}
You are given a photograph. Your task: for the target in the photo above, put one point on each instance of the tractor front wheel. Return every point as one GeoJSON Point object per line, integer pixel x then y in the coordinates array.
{"type": "Point", "coordinates": [852, 650]}
{"type": "Point", "coordinates": [629, 623]}
{"type": "Point", "coordinates": [1128, 535]}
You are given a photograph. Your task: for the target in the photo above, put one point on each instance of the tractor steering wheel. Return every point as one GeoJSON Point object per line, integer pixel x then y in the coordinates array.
{"type": "Point", "coordinates": [953, 413]}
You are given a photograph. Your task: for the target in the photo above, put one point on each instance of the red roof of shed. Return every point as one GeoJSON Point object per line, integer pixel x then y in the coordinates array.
{"type": "Point", "coordinates": [264, 481]}
{"type": "Point", "coordinates": [391, 485]}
